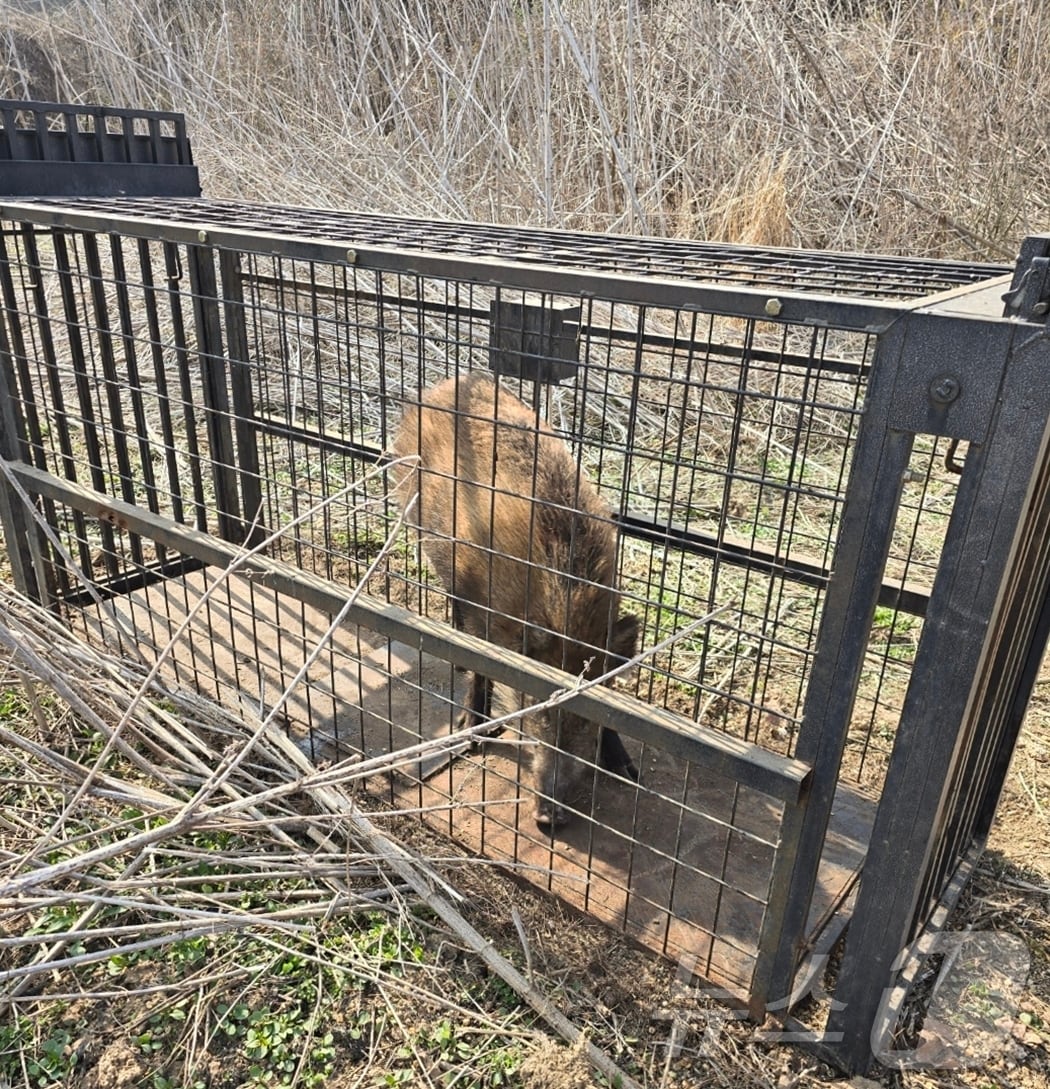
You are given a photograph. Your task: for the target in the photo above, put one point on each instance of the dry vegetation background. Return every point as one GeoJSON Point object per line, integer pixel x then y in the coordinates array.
{"type": "Point", "coordinates": [906, 126]}
{"type": "Point", "coordinates": [909, 126]}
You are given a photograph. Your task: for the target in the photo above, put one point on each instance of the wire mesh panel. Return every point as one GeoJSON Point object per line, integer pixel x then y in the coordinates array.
{"type": "Point", "coordinates": [720, 445]}
{"type": "Point", "coordinates": [817, 274]}
{"type": "Point", "coordinates": [185, 385]}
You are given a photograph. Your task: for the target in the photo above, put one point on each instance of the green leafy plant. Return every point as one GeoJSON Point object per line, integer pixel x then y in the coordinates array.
{"type": "Point", "coordinates": [48, 1059]}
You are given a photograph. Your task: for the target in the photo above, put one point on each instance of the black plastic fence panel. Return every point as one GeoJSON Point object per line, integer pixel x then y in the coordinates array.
{"type": "Point", "coordinates": [56, 149]}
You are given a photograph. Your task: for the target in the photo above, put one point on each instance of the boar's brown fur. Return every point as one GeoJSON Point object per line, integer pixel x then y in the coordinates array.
{"type": "Point", "coordinates": [527, 549]}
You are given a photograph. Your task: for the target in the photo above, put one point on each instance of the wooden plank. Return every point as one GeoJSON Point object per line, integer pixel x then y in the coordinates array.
{"type": "Point", "coordinates": [681, 862]}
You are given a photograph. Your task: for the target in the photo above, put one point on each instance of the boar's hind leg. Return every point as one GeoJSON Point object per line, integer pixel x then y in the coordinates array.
{"type": "Point", "coordinates": [614, 756]}
{"type": "Point", "coordinates": [479, 695]}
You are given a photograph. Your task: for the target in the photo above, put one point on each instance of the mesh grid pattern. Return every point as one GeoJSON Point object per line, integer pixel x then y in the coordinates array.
{"type": "Point", "coordinates": [241, 393]}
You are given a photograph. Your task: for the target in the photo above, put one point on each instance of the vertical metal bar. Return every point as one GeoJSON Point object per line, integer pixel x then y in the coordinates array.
{"type": "Point", "coordinates": [16, 346]}
{"type": "Point", "coordinates": [20, 430]}
{"type": "Point", "coordinates": [948, 678]}
{"type": "Point", "coordinates": [160, 377]}
{"type": "Point", "coordinates": [24, 425]}
{"type": "Point", "coordinates": [868, 517]}
{"type": "Point", "coordinates": [174, 273]}
{"type": "Point", "coordinates": [50, 363]}
{"type": "Point", "coordinates": [1022, 641]}
{"type": "Point", "coordinates": [84, 383]}
{"type": "Point", "coordinates": [133, 385]}
{"type": "Point", "coordinates": [991, 730]}
{"type": "Point", "coordinates": [241, 384]}
{"type": "Point", "coordinates": [13, 516]}
{"type": "Point", "coordinates": [287, 305]}
{"type": "Point", "coordinates": [112, 381]}
{"type": "Point", "coordinates": [212, 359]}
{"type": "Point", "coordinates": [47, 343]}
{"type": "Point", "coordinates": [1015, 717]}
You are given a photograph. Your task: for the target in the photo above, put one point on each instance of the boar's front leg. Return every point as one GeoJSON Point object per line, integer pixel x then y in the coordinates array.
{"type": "Point", "coordinates": [614, 757]}
{"type": "Point", "coordinates": [479, 694]}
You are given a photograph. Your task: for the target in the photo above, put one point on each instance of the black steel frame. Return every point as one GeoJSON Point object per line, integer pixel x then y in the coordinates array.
{"type": "Point", "coordinates": [51, 148]}
{"type": "Point", "coordinates": [950, 362]}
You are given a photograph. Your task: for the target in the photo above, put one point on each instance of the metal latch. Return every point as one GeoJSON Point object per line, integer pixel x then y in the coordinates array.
{"type": "Point", "coordinates": [1029, 294]}
{"type": "Point", "coordinates": [534, 340]}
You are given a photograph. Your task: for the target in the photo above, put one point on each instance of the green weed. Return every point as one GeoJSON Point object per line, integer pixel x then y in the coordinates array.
{"type": "Point", "coordinates": [48, 1060]}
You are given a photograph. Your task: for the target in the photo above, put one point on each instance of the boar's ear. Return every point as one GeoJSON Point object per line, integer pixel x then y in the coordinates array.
{"type": "Point", "coordinates": [623, 639]}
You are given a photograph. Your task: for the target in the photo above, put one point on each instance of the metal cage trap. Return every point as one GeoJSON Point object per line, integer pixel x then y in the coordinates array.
{"type": "Point", "coordinates": [825, 477]}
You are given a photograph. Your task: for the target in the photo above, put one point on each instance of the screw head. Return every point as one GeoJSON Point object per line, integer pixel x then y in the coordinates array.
{"type": "Point", "coordinates": [351, 256]}
{"type": "Point", "coordinates": [773, 307]}
{"type": "Point", "coordinates": [202, 236]}
{"type": "Point", "coordinates": [945, 388]}
{"type": "Point", "coordinates": [1041, 308]}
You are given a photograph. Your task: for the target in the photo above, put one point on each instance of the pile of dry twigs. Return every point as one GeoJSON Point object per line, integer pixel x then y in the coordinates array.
{"type": "Point", "coordinates": [171, 798]}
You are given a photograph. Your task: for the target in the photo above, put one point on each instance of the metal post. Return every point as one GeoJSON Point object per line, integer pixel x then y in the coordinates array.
{"type": "Point", "coordinates": [242, 387]}
{"type": "Point", "coordinates": [873, 494]}
{"type": "Point", "coordinates": [14, 518]}
{"type": "Point", "coordinates": [212, 358]}
{"type": "Point", "coordinates": [949, 673]}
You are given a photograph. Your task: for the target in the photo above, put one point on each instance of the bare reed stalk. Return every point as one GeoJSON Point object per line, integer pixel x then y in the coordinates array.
{"type": "Point", "coordinates": [887, 125]}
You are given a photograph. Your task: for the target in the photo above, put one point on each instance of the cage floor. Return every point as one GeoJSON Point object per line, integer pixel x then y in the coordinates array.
{"type": "Point", "coordinates": [672, 873]}
{"type": "Point", "coordinates": [681, 865]}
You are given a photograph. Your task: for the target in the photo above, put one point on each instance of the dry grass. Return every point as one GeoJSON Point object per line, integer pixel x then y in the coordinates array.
{"type": "Point", "coordinates": [888, 125]}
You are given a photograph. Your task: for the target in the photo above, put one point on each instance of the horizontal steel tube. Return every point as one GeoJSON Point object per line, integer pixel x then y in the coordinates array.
{"type": "Point", "coordinates": [778, 776]}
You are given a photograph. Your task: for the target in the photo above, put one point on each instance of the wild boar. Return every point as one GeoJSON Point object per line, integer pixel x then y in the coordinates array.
{"type": "Point", "coordinates": [527, 549]}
